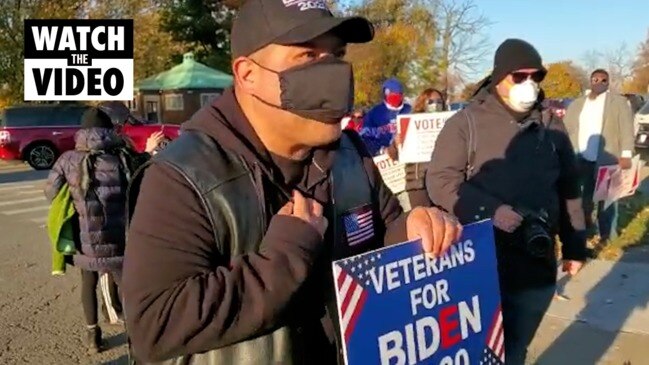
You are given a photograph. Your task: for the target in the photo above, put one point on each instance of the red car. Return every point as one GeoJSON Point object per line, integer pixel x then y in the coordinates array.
{"type": "Point", "coordinates": [38, 134]}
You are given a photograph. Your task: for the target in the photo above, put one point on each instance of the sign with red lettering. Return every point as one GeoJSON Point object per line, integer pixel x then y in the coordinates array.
{"type": "Point", "coordinates": [393, 172]}
{"type": "Point", "coordinates": [613, 183]}
{"type": "Point", "coordinates": [418, 134]}
{"type": "Point", "coordinates": [398, 306]}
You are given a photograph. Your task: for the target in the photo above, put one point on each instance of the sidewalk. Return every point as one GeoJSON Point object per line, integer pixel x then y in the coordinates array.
{"type": "Point", "coordinates": [604, 318]}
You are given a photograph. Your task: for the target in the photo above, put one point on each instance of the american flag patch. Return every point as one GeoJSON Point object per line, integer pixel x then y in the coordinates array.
{"type": "Point", "coordinates": [359, 225]}
{"type": "Point", "coordinates": [494, 352]}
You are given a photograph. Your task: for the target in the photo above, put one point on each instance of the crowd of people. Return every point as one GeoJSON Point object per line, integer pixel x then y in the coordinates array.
{"type": "Point", "coordinates": [232, 228]}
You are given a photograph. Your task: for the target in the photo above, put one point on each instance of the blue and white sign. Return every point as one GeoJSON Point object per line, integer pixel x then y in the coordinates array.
{"type": "Point", "coordinates": [397, 306]}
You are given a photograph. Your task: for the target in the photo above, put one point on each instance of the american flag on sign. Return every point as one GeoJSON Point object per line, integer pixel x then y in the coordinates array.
{"type": "Point", "coordinates": [494, 353]}
{"type": "Point", "coordinates": [359, 225]}
{"type": "Point", "coordinates": [353, 285]}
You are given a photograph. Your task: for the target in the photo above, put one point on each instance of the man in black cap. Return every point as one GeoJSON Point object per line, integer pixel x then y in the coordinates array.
{"type": "Point", "coordinates": [517, 167]}
{"type": "Point", "coordinates": [235, 224]}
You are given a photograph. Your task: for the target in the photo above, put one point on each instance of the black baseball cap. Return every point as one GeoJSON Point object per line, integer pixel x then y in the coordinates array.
{"type": "Point", "coordinates": [263, 22]}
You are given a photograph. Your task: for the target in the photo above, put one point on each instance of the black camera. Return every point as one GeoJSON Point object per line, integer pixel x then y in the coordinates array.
{"type": "Point", "coordinates": [535, 230]}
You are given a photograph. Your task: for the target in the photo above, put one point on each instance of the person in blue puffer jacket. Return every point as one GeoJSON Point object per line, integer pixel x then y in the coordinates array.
{"type": "Point", "coordinates": [380, 123]}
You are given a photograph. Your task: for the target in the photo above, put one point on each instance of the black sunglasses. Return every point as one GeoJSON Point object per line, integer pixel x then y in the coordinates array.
{"type": "Point", "coordinates": [520, 77]}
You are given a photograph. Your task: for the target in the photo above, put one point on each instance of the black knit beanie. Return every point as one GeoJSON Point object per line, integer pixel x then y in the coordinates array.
{"type": "Point", "coordinates": [95, 118]}
{"type": "Point", "coordinates": [512, 55]}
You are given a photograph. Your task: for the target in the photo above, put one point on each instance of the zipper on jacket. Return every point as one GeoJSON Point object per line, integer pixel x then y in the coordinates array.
{"type": "Point", "coordinates": [258, 182]}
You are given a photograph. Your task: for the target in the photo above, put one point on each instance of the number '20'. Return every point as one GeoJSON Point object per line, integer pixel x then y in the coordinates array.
{"type": "Point", "coordinates": [461, 358]}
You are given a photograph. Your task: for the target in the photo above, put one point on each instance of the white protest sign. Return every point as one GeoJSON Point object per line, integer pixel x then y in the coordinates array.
{"type": "Point", "coordinates": [602, 182]}
{"type": "Point", "coordinates": [393, 173]}
{"type": "Point", "coordinates": [624, 182]}
{"type": "Point", "coordinates": [613, 183]}
{"type": "Point", "coordinates": [418, 134]}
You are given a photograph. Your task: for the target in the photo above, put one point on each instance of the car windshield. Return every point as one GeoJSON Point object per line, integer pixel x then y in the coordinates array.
{"type": "Point", "coordinates": [645, 109]}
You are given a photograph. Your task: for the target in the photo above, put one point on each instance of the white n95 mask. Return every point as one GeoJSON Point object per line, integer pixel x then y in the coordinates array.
{"type": "Point", "coordinates": [523, 96]}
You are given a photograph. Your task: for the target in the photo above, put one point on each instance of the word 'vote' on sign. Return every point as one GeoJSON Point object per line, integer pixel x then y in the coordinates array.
{"type": "Point", "coordinates": [399, 306]}
{"type": "Point", "coordinates": [418, 133]}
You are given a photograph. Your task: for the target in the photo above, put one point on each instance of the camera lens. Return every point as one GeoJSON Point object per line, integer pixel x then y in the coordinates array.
{"type": "Point", "coordinates": [539, 243]}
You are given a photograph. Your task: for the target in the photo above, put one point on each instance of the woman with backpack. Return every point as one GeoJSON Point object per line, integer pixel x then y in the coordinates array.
{"type": "Point", "coordinates": [97, 172]}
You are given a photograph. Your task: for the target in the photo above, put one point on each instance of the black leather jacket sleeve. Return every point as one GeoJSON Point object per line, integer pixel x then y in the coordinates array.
{"type": "Point", "coordinates": [182, 296]}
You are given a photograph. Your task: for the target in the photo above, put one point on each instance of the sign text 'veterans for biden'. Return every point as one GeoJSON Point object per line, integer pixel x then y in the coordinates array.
{"type": "Point", "coordinates": [399, 307]}
{"type": "Point", "coordinates": [78, 59]}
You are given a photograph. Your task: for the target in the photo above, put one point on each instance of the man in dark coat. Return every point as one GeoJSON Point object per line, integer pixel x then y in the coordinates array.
{"type": "Point", "coordinates": [235, 224]}
{"type": "Point", "coordinates": [504, 158]}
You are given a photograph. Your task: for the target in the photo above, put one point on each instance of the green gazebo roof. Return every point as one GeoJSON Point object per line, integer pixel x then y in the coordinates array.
{"type": "Point", "coordinates": [188, 75]}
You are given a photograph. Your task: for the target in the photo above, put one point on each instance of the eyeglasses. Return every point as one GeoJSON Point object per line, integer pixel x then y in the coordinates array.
{"type": "Point", "coordinates": [432, 101]}
{"type": "Point", "coordinates": [598, 80]}
{"type": "Point", "coordinates": [520, 77]}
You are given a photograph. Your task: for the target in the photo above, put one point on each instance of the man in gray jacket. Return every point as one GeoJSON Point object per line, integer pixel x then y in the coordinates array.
{"type": "Point", "coordinates": [600, 126]}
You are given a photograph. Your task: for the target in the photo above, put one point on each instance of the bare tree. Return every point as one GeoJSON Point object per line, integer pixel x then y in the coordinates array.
{"type": "Point", "coordinates": [619, 64]}
{"type": "Point", "coordinates": [462, 43]}
{"type": "Point", "coordinates": [592, 59]}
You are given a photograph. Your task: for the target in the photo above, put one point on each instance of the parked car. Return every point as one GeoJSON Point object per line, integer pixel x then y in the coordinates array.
{"type": "Point", "coordinates": [636, 101]}
{"type": "Point", "coordinates": [38, 134]}
{"type": "Point", "coordinates": [642, 127]}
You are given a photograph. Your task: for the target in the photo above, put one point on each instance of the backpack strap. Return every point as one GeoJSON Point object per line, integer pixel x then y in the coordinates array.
{"type": "Point", "coordinates": [472, 143]}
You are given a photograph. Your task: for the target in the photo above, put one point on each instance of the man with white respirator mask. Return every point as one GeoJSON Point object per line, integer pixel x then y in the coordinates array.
{"type": "Point", "coordinates": [505, 158]}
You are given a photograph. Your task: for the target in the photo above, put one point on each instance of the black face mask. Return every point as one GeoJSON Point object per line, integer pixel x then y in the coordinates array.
{"type": "Point", "coordinates": [322, 90]}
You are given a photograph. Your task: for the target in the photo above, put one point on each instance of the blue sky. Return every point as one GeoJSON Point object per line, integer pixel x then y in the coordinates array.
{"type": "Point", "coordinates": [567, 29]}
